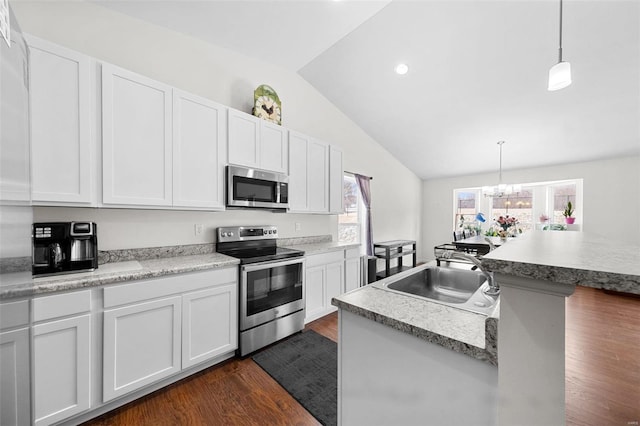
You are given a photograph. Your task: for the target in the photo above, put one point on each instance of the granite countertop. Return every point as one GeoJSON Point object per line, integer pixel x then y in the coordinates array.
{"type": "Point", "coordinates": [116, 266]}
{"type": "Point", "coordinates": [574, 258]}
{"type": "Point", "coordinates": [462, 331]}
{"type": "Point", "coordinates": [322, 247]}
{"type": "Point", "coordinates": [21, 285]}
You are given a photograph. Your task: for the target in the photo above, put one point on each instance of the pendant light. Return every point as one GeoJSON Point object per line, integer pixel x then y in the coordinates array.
{"type": "Point", "coordinates": [560, 73]}
{"type": "Point", "coordinates": [502, 189]}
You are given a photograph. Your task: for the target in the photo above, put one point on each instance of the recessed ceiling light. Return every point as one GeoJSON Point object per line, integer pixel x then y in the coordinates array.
{"type": "Point", "coordinates": [402, 69]}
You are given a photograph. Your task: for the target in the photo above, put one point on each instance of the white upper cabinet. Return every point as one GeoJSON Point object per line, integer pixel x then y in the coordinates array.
{"type": "Point", "coordinates": [274, 149]}
{"type": "Point", "coordinates": [336, 186]}
{"type": "Point", "coordinates": [15, 180]}
{"type": "Point", "coordinates": [298, 148]}
{"type": "Point", "coordinates": [244, 131]}
{"type": "Point", "coordinates": [318, 176]}
{"type": "Point", "coordinates": [256, 143]}
{"type": "Point", "coordinates": [136, 139]}
{"type": "Point", "coordinates": [199, 152]}
{"type": "Point", "coordinates": [62, 144]}
{"type": "Point", "coordinates": [315, 175]}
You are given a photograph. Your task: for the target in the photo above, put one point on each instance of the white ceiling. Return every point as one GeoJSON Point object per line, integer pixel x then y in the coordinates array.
{"type": "Point", "coordinates": [478, 71]}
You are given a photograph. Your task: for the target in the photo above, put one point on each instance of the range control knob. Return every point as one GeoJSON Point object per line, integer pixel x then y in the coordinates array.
{"type": "Point", "coordinates": [230, 234]}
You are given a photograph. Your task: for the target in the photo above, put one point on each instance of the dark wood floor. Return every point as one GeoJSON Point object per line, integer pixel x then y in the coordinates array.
{"type": "Point", "coordinates": [602, 377]}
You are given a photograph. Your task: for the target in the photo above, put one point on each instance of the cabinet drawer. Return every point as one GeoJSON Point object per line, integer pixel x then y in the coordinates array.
{"type": "Point", "coordinates": [14, 314]}
{"type": "Point", "coordinates": [60, 305]}
{"type": "Point", "coordinates": [325, 258]}
{"type": "Point", "coordinates": [144, 290]}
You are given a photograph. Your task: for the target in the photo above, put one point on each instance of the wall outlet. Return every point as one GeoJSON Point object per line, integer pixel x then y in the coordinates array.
{"type": "Point", "coordinates": [198, 229]}
{"type": "Point", "coordinates": [298, 227]}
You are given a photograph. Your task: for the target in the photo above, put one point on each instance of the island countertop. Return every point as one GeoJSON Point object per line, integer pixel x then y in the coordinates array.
{"type": "Point", "coordinates": [574, 258]}
{"type": "Point", "coordinates": [462, 331]}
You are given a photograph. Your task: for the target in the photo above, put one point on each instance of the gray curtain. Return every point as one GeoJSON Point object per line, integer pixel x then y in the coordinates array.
{"type": "Point", "coordinates": [365, 191]}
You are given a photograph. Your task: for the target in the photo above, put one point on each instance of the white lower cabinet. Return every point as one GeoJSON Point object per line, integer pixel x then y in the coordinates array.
{"type": "Point", "coordinates": [61, 356]}
{"type": "Point", "coordinates": [153, 329]}
{"type": "Point", "coordinates": [14, 377]}
{"type": "Point", "coordinates": [352, 269]}
{"type": "Point", "coordinates": [324, 280]}
{"type": "Point", "coordinates": [141, 345]}
{"type": "Point", "coordinates": [15, 400]}
{"type": "Point", "coordinates": [209, 319]}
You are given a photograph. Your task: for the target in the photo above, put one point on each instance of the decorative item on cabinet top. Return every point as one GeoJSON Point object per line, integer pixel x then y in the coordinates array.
{"type": "Point", "coordinates": [267, 104]}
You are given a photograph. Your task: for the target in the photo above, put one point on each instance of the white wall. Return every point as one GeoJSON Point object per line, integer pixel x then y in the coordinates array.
{"type": "Point", "coordinates": [611, 195]}
{"type": "Point", "coordinates": [227, 78]}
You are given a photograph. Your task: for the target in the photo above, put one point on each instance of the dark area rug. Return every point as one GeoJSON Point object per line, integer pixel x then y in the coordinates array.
{"type": "Point", "coordinates": [306, 365]}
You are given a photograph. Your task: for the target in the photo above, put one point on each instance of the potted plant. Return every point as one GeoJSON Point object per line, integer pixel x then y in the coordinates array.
{"type": "Point", "coordinates": [568, 213]}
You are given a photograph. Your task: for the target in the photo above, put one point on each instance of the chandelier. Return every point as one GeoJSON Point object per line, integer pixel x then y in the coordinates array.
{"type": "Point", "coordinates": [500, 190]}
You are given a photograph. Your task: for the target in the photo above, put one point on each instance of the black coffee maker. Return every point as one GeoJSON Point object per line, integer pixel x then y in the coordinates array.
{"type": "Point", "coordinates": [64, 247]}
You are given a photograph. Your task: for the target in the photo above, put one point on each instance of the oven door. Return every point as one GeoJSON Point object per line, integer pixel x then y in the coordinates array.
{"type": "Point", "coordinates": [270, 290]}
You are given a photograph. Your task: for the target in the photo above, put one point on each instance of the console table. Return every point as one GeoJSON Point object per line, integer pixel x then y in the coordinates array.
{"type": "Point", "coordinates": [396, 249]}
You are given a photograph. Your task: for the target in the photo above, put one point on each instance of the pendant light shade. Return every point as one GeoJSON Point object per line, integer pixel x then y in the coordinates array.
{"type": "Point", "coordinates": [560, 73]}
{"type": "Point", "coordinates": [560, 76]}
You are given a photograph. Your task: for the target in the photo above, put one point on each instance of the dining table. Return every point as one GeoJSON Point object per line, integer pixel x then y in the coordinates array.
{"type": "Point", "coordinates": [481, 240]}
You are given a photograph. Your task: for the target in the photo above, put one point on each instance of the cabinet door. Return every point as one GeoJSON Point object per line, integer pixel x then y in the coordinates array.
{"type": "Point", "coordinates": [336, 178]}
{"type": "Point", "coordinates": [274, 147]}
{"type": "Point", "coordinates": [198, 152]}
{"type": "Point", "coordinates": [61, 368]}
{"type": "Point", "coordinates": [61, 130]}
{"type": "Point", "coordinates": [334, 284]}
{"type": "Point", "coordinates": [352, 274]}
{"type": "Point", "coordinates": [141, 345]}
{"type": "Point", "coordinates": [136, 139]}
{"type": "Point", "coordinates": [209, 324]}
{"type": "Point", "coordinates": [244, 133]}
{"type": "Point", "coordinates": [298, 152]}
{"type": "Point", "coordinates": [15, 180]}
{"type": "Point", "coordinates": [15, 408]}
{"type": "Point", "coordinates": [314, 293]}
{"type": "Point", "coordinates": [318, 176]}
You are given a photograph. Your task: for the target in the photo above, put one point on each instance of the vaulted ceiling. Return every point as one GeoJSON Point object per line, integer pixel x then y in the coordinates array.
{"type": "Point", "coordinates": [477, 71]}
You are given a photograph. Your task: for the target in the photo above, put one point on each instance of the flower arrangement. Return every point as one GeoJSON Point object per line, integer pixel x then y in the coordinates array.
{"type": "Point", "coordinates": [507, 226]}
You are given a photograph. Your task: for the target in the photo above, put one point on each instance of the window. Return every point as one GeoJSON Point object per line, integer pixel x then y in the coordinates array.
{"type": "Point", "coordinates": [518, 205]}
{"type": "Point", "coordinates": [562, 194]}
{"type": "Point", "coordinates": [529, 206]}
{"type": "Point", "coordinates": [350, 223]}
{"type": "Point", "coordinates": [465, 209]}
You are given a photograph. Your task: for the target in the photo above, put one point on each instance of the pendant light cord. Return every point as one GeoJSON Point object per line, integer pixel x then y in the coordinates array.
{"type": "Point", "coordinates": [500, 173]}
{"type": "Point", "coordinates": [560, 47]}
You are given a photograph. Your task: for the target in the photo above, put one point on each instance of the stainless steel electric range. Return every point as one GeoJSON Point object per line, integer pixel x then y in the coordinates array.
{"type": "Point", "coordinates": [271, 282]}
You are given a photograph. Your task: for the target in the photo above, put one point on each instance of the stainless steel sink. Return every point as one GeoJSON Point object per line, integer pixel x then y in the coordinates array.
{"type": "Point", "coordinates": [460, 288]}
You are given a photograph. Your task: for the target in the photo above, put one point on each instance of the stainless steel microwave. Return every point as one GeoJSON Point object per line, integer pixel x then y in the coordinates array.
{"type": "Point", "coordinates": [255, 188]}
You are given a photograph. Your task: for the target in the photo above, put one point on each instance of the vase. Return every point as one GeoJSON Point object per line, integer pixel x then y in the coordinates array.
{"type": "Point", "coordinates": [569, 220]}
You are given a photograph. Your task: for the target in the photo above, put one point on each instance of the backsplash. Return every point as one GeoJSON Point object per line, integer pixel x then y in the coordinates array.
{"type": "Point", "coordinates": [282, 242]}
{"type": "Point", "coordinates": [111, 256]}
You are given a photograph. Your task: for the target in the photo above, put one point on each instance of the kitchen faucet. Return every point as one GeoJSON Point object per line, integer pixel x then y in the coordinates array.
{"type": "Point", "coordinates": [494, 288]}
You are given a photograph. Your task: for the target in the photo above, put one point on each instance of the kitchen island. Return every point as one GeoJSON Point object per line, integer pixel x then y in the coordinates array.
{"type": "Point", "coordinates": [536, 272]}
{"type": "Point", "coordinates": [407, 360]}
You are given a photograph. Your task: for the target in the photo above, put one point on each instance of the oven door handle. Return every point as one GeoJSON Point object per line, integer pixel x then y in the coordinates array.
{"type": "Point", "coordinates": [269, 265]}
